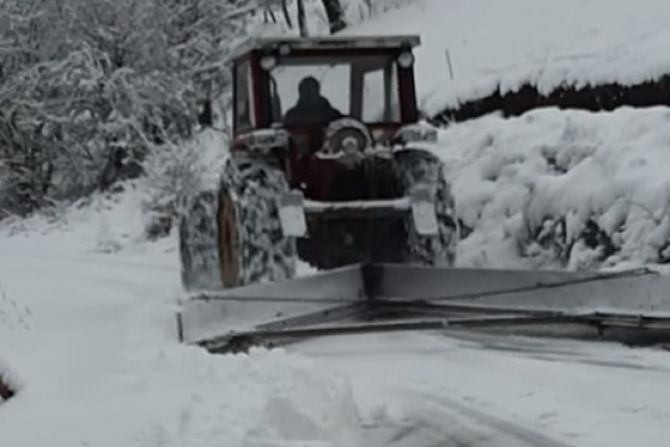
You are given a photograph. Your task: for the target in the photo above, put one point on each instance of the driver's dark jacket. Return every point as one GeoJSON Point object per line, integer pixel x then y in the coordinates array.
{"type": "Point", "coordinates": [311, 111]}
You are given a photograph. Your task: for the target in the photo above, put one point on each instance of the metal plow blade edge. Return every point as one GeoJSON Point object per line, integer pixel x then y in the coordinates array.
{"type": "Point", "coordinates": [631, 306]}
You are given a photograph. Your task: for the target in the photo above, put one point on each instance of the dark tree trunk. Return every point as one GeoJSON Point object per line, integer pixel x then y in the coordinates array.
{"type": "Point", "coordinates": [206, 115]}
{"type": "Point", "coordinates": [287, 16]}
{"type": "Point", "coordinates": [335, 15]}
{"type": "Point", "coordinates": [302, 20]}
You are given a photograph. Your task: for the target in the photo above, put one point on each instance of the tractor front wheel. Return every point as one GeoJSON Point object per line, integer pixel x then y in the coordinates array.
{"type": "Point", "coordinates": [234, 237]}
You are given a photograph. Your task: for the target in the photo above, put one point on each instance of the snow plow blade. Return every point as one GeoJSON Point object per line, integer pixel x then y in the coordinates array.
{"type": "Point", "coordinates": [630, 306]}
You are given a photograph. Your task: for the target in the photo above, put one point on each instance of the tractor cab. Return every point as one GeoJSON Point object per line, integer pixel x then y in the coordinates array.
{"type": "Point", "coordinates": [305, 85]}
{"type": "Point", "coordinates": [328, 163]}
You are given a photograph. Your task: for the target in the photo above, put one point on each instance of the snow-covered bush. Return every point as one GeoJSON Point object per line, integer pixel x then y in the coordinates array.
{"type": "Point", "coordinates": [563, 188]}
{"type": "Point", "coordinates": [176, 172]}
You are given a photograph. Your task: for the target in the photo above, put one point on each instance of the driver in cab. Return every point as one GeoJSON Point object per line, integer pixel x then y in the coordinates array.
{"type": "Point", "coordinates": [311, 108]}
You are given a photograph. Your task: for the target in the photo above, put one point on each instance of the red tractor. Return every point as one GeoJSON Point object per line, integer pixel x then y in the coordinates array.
{"type": "Point", "coordinates": [329, 163]}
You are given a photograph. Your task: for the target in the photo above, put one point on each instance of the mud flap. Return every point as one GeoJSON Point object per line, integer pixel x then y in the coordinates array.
{"type": "Point", "coordinates": [292, 214]}
{"type": "Point", "coordinates": [423, 211]}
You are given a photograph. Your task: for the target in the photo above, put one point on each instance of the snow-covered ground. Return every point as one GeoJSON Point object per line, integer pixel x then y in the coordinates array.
{"type": "Point", "coordinates": [88, 333]}
{"type": "Point", "coordinates": [547, 43]}
{"type": "Point", "coordinates": [89, 336]}
{"type": "Point", "coordinates": [484, 391]}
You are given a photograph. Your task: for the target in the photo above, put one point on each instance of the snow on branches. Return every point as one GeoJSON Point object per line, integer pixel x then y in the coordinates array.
{"type": "Point", "coordinates": [89, 88]}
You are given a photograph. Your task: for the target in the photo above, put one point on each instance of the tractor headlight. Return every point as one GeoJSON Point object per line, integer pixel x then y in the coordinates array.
{"type": "Point", "coordinates": [406, 59]}
{"type": "Point", "coordinates": [268, 62]}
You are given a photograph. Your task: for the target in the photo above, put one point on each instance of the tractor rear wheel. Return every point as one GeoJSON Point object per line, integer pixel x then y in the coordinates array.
{"type": "Point", "coordinates": [243, 232]}
{"type": "Point", "coordinates": [417, 167]}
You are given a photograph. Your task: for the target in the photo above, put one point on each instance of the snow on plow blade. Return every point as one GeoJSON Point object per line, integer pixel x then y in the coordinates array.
{"type": "Point", "coordinates": [218, 313]}
{"type": "Point", "coordinates": [632, 306]}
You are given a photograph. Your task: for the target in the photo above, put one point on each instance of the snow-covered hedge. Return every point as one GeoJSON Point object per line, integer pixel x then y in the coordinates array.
{"type": "Point", "coordinates": [566, 188]}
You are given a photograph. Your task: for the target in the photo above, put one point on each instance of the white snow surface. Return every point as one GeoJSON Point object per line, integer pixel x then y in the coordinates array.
{"type": "Point", "coordinates": [92, 344]}
{"type": "Point", "coordinates": [546, 43]}
{"type": "Point", "coordinates": [88, 335]}
{"type": "Point", "coordinates": [510, 174]}
{"type": "Point", "coordinates": [87, 329]}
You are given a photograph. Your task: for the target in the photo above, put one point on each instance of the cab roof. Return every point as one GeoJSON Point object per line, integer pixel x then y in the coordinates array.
{"type": "Point", "coordinates": [327, 43]}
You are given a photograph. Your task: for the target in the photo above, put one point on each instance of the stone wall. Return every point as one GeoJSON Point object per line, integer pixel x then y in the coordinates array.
{"type": "Point", "coordinates": [603, 97]}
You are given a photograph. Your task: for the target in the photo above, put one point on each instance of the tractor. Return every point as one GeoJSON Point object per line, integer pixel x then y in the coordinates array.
{"type": "Point", "coordinates": [329, 164]}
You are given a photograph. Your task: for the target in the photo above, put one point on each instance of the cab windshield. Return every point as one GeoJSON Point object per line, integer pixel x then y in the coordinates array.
{"type": "Point", "coordinates": [317, 90]}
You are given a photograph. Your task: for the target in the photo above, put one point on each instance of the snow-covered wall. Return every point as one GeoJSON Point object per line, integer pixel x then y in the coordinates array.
{"type": "Point", "coordinates": [547, 43]}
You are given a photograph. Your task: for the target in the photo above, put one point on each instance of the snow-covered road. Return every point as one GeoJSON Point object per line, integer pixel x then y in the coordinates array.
{"type": "Point", "coordinates": [482, 390]}
{"type": "Point", "coordinates": [439, 421]}
{"type": "Point", "coordinates": [90, 340]}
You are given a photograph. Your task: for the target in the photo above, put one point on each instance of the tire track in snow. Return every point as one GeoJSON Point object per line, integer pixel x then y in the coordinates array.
{"type": "Point", "coordinates": [87, 258]}
{"type": "Point", "coordinates": [445, 422]}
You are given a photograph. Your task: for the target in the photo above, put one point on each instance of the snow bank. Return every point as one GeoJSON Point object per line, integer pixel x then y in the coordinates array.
{"type": "Point", "coordinates": [543, 187]}
{"type": "Point", "coordinates": [177, 397]}
{"type": "Point", "coordinates": [99, 360]}
{"type": "Point", "coordinates": [545, 43]}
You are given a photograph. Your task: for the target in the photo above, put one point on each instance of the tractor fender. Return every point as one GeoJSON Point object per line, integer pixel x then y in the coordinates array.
{"type": "Point", "coordinates": [417, 133]}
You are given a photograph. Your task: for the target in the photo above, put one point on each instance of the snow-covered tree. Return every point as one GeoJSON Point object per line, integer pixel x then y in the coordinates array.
{"type": "Point", "coordinates": [89, 87]}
